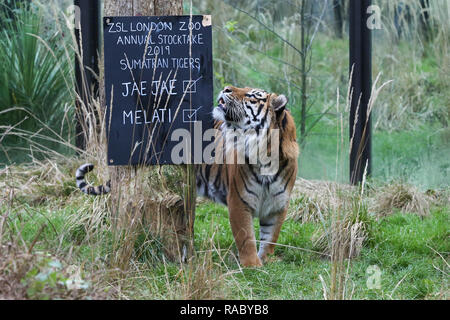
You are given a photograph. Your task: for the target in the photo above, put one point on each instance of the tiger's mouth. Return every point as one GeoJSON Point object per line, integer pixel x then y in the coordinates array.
{"type": "Point", "coordinates": [227, 110]}
{"type": "Point", "coordinates": [221, 101]}
{"type": "Point", "coordinates": [223, 110]}
{"type": "Point", "coordinates": [221, 104]}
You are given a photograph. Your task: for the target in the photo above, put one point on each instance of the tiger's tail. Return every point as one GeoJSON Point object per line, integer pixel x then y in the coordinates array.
{"type": "Point", "coordinates": [84, 187]}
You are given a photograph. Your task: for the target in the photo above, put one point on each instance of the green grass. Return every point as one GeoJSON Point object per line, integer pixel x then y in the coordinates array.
{"type": "Point", "coordinates": [420, 157]}
{"type": "Point", "coordinates": [403, 246]}
{"type": "Point", "coordinates": [399, 245]}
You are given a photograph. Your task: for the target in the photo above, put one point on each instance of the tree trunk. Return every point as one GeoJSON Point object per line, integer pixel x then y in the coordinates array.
{"type": "Point", "coordinates": [134, 201]}
{"type": "Point", "coordinates": [337, 6]}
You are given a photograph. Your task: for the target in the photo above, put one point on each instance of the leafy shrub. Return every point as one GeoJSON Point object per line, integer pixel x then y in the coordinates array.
{"type": "Point", "coordinates": [35, 76]}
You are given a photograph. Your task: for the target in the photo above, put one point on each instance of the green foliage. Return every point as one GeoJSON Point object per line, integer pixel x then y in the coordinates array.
{"type": "Point", "coordinates": [410, 110]}
{"type": "Point", "coordinates": [231, 25]}
{"type": "Point", "coordinates": [50, 279]}
{"type": "Point", "coordinates": [36, 76]}
{"type": "Point", "coordinates": [44, 275]}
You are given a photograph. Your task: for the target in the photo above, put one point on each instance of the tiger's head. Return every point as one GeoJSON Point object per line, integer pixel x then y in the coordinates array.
{"type": "Point", "coordinates": [253, 110]}
{"type": "Point", "coordinates": [247, 108]}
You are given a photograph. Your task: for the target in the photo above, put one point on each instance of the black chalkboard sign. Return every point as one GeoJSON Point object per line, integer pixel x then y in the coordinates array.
{"type": "Point", "coordinates": [158, 78]}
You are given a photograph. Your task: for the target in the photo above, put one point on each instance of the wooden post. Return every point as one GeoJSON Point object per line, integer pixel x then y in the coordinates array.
{"type": "Point", "coordinates": [167, 216]}
{"type": "Point", "coordinates": [361, 82]}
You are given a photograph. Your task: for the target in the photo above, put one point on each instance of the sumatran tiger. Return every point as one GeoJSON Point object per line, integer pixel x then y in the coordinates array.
{"type": "Point", "coordinates": [247, 190]}
{"type": "Point", "coordinates": [252, 187]}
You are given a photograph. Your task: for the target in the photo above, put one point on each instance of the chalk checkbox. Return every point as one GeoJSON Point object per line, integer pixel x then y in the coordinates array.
{"type": "Point", "coordinates": [189, 86]}
{"type": "Point", "coordinates": [189, 115]}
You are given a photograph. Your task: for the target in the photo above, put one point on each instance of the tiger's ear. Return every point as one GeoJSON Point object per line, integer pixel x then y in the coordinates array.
{"type": "Point", "coordinates": [279, 104]}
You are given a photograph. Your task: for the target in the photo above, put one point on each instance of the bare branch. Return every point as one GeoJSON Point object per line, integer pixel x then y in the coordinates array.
{"type": "Point", "coordinates": [272, 31]}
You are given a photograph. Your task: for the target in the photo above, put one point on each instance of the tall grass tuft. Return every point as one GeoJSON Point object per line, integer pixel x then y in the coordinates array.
{"type": "Point", "coordinates": [402, 197]}
{"type": "Point", "coordinates": [35, 73]}
{"type": "Point", "coordinates": [409, 50]}
{"type": "Point", "coordinates": [346, 227]}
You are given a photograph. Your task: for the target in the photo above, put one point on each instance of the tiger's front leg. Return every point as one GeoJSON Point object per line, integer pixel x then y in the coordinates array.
{"type": "Point", "coordinates": [269, 230]}
{"type": "Point", "coordinates": [241, 222]}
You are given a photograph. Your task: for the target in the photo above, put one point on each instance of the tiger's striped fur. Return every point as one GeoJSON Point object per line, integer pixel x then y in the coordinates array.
{"type": "Point", "coordinates": [248, 193]}
{"type": "Point", "coordinates": [242, 187]}
{"type": "Point", "coordinates": [81, 182]}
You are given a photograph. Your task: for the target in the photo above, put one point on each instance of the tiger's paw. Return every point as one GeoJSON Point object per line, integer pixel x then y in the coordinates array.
{"type": "Point", "coordinates": [251, 262]}
{"type": "Point", "coordinates": [272, 259]}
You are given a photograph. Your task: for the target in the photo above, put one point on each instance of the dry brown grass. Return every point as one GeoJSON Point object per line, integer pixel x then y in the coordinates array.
{"type": "Point", "coordinates": [315, 200]}
{"type": "Point", "coordinates": [312, 198]}
{"type": "Point", "coordinates": [319, 201]}
{"type": "Point", "coordinates": [442, 197]}
{"type": "Point", "coordinates": [27, 273]}
{"type": "Point", "coordinates": [350, 241]}
{"type": "Point", "coordinates": [200, 278]}
{"type": "Point", "coordinates": [345, 213]}
{"type": "Point", "coordinates": [401, 197]}
{"type": "Point", "coordinates": [40, 184]}
{"type": "Point", "coordinates": [38, 275]}
{"type": "Point", "coordinates": [38, 181]}
{"type": "Point", "coordinates": [341, 236]}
